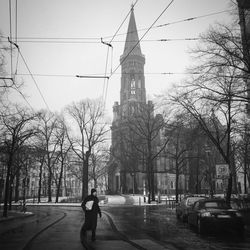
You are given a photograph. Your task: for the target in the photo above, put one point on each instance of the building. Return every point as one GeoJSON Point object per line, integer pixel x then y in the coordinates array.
{"type": "Point", "coordinates": [132, 97]}
{"type": "Point", "coordinates": [128, 169]}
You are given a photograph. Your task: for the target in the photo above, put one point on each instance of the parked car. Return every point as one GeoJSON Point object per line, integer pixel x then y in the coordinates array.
{"type": "Point", "coordinates": [242, 204]}
{"type": "Point", "coordinates": [215, 214]}
{"type": "Point", "coordinates": [182, 209]}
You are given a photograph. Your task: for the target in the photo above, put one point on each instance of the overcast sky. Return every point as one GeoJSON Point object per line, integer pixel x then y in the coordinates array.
{"type": "Point", "coordinates": [64, 22]}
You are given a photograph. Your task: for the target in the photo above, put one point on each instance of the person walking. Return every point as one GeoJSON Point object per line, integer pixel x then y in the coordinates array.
{"type": "Point", "coordinates": [91, 208]}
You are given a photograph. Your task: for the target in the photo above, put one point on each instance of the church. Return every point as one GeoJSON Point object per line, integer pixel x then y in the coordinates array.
{"type": "Point", "coordinates": [128, 170]}
{"type": "Point", "coordinates": [132, 94]}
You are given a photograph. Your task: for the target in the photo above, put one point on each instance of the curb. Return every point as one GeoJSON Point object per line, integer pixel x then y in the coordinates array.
{"type": "Point", "coordinates": [21, 216]}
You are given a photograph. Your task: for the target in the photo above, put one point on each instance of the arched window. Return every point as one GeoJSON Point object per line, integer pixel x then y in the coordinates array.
{"type": "Point", "coordinates": [132, 86]}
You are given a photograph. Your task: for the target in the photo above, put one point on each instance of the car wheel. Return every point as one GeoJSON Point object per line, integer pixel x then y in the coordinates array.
{"type": "Point", "coordinates": [184, 218]}
{"type": "Point", "coordinates": [241, 232]}
{"type": "Point", "coordinates": [189, 221]}
{"type": "Point", "coordinates": [200, 227]}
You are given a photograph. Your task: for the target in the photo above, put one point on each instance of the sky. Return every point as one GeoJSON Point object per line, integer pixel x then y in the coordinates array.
{"type": "Point", "coordinates": [59, 39]}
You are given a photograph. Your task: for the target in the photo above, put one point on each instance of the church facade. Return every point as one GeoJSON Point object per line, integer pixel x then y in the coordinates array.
{"type": "Point", "coordinates": [124, 175]}
{"type": "Point", "coordinates": [128, 169]}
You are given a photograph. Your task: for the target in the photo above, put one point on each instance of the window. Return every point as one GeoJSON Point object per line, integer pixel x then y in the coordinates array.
{"type": "Point", "coordinates": [139, 83]}
{"type": "Point", "coordinates": [247, 18]}
{"type": "Point", "coordinates": [132, 86]}
{"type": "Point", "coordinates": [215, 204]}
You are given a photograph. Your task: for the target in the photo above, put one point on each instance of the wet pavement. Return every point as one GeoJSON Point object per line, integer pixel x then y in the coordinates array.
{"type": "Point", "coordinates": [123, 225]}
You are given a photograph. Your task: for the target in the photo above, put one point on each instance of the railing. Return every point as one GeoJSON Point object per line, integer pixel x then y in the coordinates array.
{"type": "Point", "coordinates": [171, 203]}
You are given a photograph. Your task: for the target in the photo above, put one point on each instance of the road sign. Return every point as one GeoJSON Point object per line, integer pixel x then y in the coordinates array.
{"type": "Point", "coordinates": [222, 171]}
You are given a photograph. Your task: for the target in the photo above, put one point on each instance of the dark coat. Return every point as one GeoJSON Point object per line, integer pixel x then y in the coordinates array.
{"type": "Point", "coordinates": [91, 215]}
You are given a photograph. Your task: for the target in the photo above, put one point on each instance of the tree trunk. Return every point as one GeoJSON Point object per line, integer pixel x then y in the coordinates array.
{"type": "Point", "coordinates": [95, 182]}
{"type": "Point", "coordinates": [17, 185]}
{"type": "Point", "coordinates": [135, 184]}
{"type": "Point", "coordinates": [197, 175]}
{"type": "Point", "coordinates": [60, 181]}
{"type": "Point", "coordinates": [177, 184]}
{"type": "Point", "coordinates": [7, 187]}
{"type": "Point", "coordinates": [229, 189]}
{"type": "Point", "coordinates": [149, 182]}
{"type": "Point", "coordinates": [40, 182]}
{"type": "Point", "coordinates": [152, 181]}
{"type": "Point", "coordinates": [65, 184]}
{"type": "Point", "coordinates": [49, 180]}
{"type": "Point", "coordinates": [85, 177]}
{"type": "Point", "coordinates": [245, 177]}
{"type": "Point", "coordinates": [49, 186]}
{"type": "Point", "coordinates": [124, 182]}
{"type": "Point", "coordinates": [10, 194]}
{"type": "Point", "coordinates": [24, 189]}
{"type": "Point", "coordinates": [248, 178]}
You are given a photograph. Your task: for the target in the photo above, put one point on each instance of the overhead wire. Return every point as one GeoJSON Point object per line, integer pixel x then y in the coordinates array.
{"type": "Point", "coordinates": [118, 41]}
{"type": "Point", "coordinates": [97, 39]}
{"type": "Point", "coordinates": [26, 65]}
{"type": "Point", "coordinates": [116, 34]}
{"type": "Point", "coordinates": [175, 22]}
{"type": "Point", "coordinates": [192, 18]}
{"type": "Point", "coordinates": [20, 92]}
{"type": "Point", "coordinates": [142, 37]}
{"type": "Point", "coordinates": [16, 22]}
{"type": "Point", "coordinates": [40, 92]}
{"type": "Point", "coordinates": [17, 60]}
{"type": "Point", "coordinates": [11, 51]}
{"type": "Point", "coordinates": [101, 74]}
{"type": "Point", "coordinates": [11, 54]}
{"type": "Point", "coordinates": [106, 81]}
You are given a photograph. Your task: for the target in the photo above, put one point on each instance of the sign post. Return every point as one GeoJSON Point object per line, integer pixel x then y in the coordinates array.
{"type": "Point", "coordinates": [222, 172]}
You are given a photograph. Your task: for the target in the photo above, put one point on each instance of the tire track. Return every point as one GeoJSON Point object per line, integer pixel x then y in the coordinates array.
{"type": "Point", "coordinates": [29, 243]}
{"type": "Point", "coordinates": [121, 236]}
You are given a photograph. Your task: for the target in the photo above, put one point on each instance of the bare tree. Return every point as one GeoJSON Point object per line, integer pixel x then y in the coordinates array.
{"type": "Point", "coordinates": [16, 131]}
{"type": "Point", "coordinates": [214, 97]}
{"type": "Point", "coordinates": [40, 156]}
{"type": "Point", "coordinates": [98, 165]}
{"type": "Point", "coordinates": [88, 116]}
{"type": "Point", "coordinates": [47, 128]}
{"type": "Point", "coordinates": [242, 154]}
{"type": "Point", "coordinates": [178, 149]}
{"type": "Point", "coordinates": [145, 129]}
{"type": "Point", "coordinates": [63, 148]}
{"type": "Point", "coordinates": [125, 153]}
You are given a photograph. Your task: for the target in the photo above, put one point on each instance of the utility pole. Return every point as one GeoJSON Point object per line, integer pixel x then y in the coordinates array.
{"type": "Point", "coordinates": [244, 22]}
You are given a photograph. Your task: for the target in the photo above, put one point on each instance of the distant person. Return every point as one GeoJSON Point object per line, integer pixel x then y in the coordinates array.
{"type": "Point", "coordinates": [91, 208]}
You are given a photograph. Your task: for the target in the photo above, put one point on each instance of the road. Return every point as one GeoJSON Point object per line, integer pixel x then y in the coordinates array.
{"type": "Point", "coordinates": [136, 227]}
{"type": "Point", "coordinates": [161, 225]}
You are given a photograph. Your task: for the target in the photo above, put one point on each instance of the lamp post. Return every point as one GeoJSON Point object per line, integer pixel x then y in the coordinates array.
{"type": "Point", "coordinates": [210, 170]}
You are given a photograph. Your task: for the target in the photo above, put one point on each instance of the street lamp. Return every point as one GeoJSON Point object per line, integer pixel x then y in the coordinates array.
{"type": "Point", "coordinates": [210, 174]}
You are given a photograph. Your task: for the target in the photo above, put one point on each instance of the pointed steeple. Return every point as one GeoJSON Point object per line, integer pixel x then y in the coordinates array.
{"type": "Point", "coordinates": [132, 37]}
{"type": "Point", "coordinates": [132, 68]}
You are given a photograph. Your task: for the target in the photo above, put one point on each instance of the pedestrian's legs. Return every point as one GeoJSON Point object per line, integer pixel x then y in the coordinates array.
{"type": "Point", "coordinates": [83, 232]}
{"type": "Point", "coordinates": [93, 235]}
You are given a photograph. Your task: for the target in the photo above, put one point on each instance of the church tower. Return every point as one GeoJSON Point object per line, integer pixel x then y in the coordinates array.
{"type": "Point", "coordinates": [132, 67]}
{"type": "Point", "coordinates": [132, 99]}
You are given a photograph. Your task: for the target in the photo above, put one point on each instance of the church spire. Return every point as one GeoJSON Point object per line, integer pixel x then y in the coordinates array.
{"type": "Point", "coordinates": [132, 68]}
{"type": "Point", "coordinates": [132, 39]}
